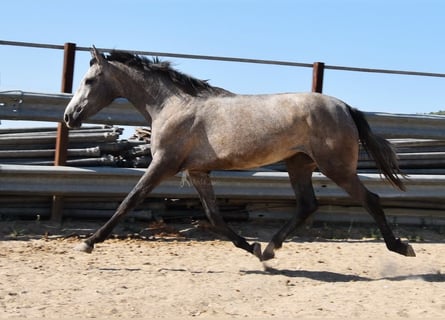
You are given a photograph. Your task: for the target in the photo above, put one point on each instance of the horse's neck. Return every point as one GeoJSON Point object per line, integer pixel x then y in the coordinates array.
{"type": "Point", "coordinates": [148, 95]}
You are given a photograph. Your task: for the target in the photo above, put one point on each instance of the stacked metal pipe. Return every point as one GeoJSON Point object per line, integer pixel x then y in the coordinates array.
{"type": "Point", "coordinates": [89, 146]}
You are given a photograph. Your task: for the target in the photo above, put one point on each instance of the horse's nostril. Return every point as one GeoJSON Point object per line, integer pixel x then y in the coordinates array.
{"type": "Point", "coordinates": [66, 117]}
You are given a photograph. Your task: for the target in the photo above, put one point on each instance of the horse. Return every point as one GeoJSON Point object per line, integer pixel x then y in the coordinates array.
{"type": "Point", "coordinates": [197, 128]}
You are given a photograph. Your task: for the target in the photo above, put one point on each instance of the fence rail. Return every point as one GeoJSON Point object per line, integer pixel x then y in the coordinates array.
{"type": "Point", "coordinates": [230, 59]}
{"type": "Point", "coordinates": [19, 105]}
{"type": "Point", "coordinates": [47, 180]}
{"type": "Point", "coordinates": [425, 193]}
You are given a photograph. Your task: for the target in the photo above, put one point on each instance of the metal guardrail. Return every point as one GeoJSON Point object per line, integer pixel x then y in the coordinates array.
{"type": "Point", "coordinates": [260, 194]}
{"type": "Point", "coordinates": [105, 181]}
{"type": "Point", "coordinates": [16, 105]}
{"type": "Point", "coordinates": [393, 126]}
{"type": "Point", "coordinates": [19, 105]}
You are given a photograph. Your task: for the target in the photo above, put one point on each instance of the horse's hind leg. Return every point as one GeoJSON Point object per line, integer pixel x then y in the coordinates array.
{"type": "Point", "coordinates": [300, 168]}
{"type": "Point", "coordinates": [370, 201]}
{"type": "Point", "coordinates": [201, 182]}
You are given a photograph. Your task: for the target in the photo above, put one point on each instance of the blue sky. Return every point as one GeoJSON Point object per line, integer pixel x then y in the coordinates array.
{"type": "Point", "coordinates": [384, 34]}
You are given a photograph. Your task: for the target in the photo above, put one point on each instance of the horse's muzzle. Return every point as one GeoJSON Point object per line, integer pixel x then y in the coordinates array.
{"type": "Point", "coordinates": [71, 122]}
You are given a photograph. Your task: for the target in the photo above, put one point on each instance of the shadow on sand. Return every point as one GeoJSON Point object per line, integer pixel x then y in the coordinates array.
{"type": "Point", "coordinates": [327, 276]}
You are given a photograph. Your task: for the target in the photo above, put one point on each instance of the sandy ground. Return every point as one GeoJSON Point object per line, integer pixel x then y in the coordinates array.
{"type": "Point", "coordinates": [163, 273]}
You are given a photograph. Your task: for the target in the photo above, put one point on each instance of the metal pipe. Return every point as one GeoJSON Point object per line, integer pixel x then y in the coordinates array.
{"type": "Point", "coordinates": [48, 153]}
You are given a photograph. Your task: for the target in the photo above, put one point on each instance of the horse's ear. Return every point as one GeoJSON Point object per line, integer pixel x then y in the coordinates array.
{"type": "Point", "coordinates": [97, 56]}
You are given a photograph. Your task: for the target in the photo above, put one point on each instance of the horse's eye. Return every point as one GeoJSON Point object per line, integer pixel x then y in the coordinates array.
{"type": "Point", "coordinates": [89, 81]}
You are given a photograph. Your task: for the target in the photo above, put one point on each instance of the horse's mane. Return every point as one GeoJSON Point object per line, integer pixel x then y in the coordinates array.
{"type": "Point", "coordinates": [190, 85]}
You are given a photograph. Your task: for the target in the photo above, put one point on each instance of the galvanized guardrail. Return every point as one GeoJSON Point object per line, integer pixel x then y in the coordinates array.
{"type": "Point", "coordinates": [19, 105]}
{"type": "Point", "coordinates": [259, 193]}
{"type": "Point", "coordinates": [50, 107]}
{"type": "Point", "coordinates": [105, 181]}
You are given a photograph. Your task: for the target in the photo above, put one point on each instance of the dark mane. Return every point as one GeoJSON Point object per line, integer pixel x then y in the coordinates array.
{"type": "Point", "coordinates": [186, 83]}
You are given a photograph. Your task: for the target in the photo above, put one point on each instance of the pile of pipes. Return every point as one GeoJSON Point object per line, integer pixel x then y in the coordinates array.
{"type": "Point", "coordinates": [416, 156]}
{"type": "Point", "coordinates": [88, 147]}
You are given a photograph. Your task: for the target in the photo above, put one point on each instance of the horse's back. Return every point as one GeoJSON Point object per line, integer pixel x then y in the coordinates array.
{"type": "Point", "coordinates": [265, 116]}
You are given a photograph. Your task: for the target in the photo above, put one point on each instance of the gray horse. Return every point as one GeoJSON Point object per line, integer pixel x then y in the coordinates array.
{"type": "Point", "coordinates": [197, 128]}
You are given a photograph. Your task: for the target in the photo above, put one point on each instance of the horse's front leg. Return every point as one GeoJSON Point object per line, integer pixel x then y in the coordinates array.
{"type": "Point", "coordinates": [201, 182]}
{"type": "Point", "coordinates": [156, 172]}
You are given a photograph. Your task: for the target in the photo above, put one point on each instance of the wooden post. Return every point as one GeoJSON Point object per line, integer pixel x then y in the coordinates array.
{"type": "Point", "coordinates": [62, 130]}
{"type": "Point", "coordinates": [317, 77]}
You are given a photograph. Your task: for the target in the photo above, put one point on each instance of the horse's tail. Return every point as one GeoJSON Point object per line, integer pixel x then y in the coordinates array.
{"type": "Point", "coordinates": [379, 149]}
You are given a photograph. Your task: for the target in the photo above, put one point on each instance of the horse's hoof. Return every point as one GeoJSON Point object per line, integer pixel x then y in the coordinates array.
{"type": "Point", "coordinates": [256, 250]}
{"type": "Point", "coordinates": [403, 248]}
{"type": "Point", "coordinates": [409, 251]}
{"type": "Point", "coordinates": [268, 255]}
{"type": "Point", "coordinates": [84, 247]}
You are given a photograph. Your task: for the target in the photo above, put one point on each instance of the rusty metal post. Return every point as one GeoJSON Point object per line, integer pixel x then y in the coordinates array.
{"type": "Point", "coordinates": [317, 77]}
{"type": "Point", "coordinates": [62, 130]}
{"type": "Point", "coordinates": [67, 87]}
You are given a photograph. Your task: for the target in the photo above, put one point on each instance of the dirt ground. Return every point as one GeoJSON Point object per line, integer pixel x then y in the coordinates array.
{"type": "Point", "coordinates": [180, 271]}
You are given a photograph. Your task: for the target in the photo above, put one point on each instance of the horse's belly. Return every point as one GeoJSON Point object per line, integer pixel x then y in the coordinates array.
{"type": "Point", "coordinates": [261, 158]}
{"type": "Point", "coordinates": [253, 154]}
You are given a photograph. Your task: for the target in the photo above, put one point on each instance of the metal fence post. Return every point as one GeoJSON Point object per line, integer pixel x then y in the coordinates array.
{"type": "Point", "coordinates": [317, 77]}
{"type": "Point", "coordinates": [62, 130]}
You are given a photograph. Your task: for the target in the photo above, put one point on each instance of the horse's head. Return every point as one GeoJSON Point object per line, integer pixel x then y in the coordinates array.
{"type": "Point", "coordinates": [94, 93]}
